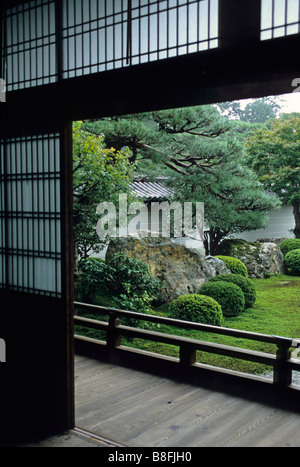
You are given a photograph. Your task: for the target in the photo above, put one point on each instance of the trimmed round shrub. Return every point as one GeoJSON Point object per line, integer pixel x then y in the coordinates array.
{"type": "Point", "coordinates": [289, 244]}
{"type": "Point", "coordinates": [292, 261]}
{"type": "Point", "coordinates": [244, 283]}
{"type": "Point", "coordinates": [235, 265]}
{"type": "Point", "coordinates": [197, 308]}
{"type": "Point", "coordinates": [229, 296]}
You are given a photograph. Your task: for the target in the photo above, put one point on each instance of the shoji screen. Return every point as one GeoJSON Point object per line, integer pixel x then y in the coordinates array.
{"type": "Point", "coordinates": [279, 18]}
{"type": "Point", "coordinates": [44, 40]}
{"type": "Point", "coordinates": [30, 216]}
{"type": "Point", "coordinates": [100, 35]}
{"type": "Point", "coordinates": [2, 225]}
{"type": "Point", "coordinates": [29, 45]}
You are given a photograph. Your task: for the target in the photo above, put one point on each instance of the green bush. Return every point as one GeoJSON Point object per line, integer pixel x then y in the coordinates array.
{"type": "Point", "coordinates": [229, 296]}
{"type": "Point", "coordinates": [90, 278]}
{"type": "Point", "coordinates": [244, 283]}
{"type": "Point", "coordinates": [289, 244]}
{"type": "Point", "coordinates": [235, 265]}
{"type": "Point", "coordinates": [123, 276]}
{"type": "Point", "coordinates": [292, 261]}
{"type": "Point", "coordinates": [197, 308]}
{"type": "Point", "coordinates": [124, 270]}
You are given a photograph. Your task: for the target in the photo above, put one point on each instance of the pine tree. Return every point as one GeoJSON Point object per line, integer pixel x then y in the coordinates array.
{"type": "Point", "coordinates": [202, 159]}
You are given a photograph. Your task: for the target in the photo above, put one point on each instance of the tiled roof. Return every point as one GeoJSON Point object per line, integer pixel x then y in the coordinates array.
{"type": "Point", "coordinates": [150, 190]}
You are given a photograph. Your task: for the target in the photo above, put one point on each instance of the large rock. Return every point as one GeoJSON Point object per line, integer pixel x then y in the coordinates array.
{"type": "Point", "coordinates": [180, 269]}
{"type": "Point", "coordinates": [260, 259]}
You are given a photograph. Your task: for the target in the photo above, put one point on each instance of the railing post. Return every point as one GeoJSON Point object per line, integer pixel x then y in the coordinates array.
{"type": "Point", "coordinates": [113, 337]}
{"type": "Point", "coordinates": [187, 355]}
{"type": "Point", "coordinates": [282, 372]}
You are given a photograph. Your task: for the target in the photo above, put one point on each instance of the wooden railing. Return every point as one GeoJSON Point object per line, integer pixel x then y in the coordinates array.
{"type": "Point", "coordinates": [281, 360]}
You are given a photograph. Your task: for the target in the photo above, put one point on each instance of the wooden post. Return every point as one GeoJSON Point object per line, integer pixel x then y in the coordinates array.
{"type": "Point", "coordinates": [113, 339]}
{"type": "Point", "coordinates": [187, 355]}
{"type": "Point", "coordinates": [282, 373]}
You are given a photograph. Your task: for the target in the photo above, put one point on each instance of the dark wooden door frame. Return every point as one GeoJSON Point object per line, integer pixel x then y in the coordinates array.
{"type": "Point", "coordinates": [241, 67]}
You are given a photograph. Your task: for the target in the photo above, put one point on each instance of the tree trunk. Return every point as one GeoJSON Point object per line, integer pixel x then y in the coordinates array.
{"type": "Point", "coordinates": [212, 239]}
{"type": "Point", "coordinates": [296, 212]}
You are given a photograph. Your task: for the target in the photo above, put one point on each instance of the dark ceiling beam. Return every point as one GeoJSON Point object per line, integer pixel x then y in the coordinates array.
{"type": "Point", "coordinates": [208, 77]}
{"type": "Point", "coordinates": [241, 67]}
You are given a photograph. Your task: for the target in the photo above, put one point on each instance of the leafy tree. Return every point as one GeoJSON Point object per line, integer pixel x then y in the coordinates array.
{"type": "Point", "coordinates": [261, 110]}
{"type": "Point", "coordinates": [274, 154]}
{"type": "Point", "coordinates": [255, 112]}
{"type": "Point", "coordinates": [99, 174]}
{"type": "Point", "coordinates": [231, 109]}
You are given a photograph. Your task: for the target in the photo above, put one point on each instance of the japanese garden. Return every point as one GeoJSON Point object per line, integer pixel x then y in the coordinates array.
{"type": "Point", "coordinates": [241, 163]}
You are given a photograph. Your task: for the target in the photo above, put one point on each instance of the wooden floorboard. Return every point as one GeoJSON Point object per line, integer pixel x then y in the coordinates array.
{"type": "Point", "coordinates": [141, 410]}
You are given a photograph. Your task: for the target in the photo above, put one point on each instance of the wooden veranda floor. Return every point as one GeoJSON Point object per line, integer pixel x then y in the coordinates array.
{"type": "Point", "coordinates": [137, 409]}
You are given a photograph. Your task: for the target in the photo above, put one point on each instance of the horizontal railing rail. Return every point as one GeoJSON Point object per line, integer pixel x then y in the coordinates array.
{"type": "Point", "coordinates": [281, 361]}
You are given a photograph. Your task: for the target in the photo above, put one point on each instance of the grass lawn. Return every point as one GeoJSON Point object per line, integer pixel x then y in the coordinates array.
{"type": "Point", "coordinates": [276, 312]}
{"type": "Point", "coordinates": [277, 308]}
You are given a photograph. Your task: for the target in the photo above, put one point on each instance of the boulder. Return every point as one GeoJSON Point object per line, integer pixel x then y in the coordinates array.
{"type": "Point", "coordinates": [261, 259]}
{"type": "Point", "coordinates": [180, 269]}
